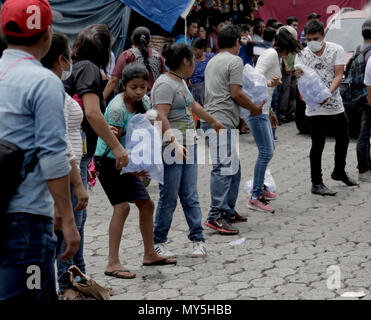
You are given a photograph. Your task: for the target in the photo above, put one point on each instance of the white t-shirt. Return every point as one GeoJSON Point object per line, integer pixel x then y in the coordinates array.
{"type": "Point", "coordinates": [324, 65]}
{"type": "Point", "coordinates": [269, 66]}
{"type": "Point", "coordinates": [367, 81]}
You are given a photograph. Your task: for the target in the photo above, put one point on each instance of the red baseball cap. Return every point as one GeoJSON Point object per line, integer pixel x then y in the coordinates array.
{"type": "Point", "coordinates": [31, 16]}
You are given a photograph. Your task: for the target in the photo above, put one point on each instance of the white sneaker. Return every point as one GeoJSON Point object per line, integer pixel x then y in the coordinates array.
{"type": "Point", "coordinates": [199, 250]}
{"type": "Point", "coordinates": [365, 177]}
{"type": "Point", "coordinates": [161, 249]}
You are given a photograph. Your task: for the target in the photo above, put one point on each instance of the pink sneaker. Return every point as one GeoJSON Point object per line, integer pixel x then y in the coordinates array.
{"type": "Point", "coordinates": [260, 204]}
{"type": "Point", "coordinates": [267, 195]}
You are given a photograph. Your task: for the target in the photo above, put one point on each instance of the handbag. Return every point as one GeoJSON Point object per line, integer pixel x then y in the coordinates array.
{"type": "Point", "coordinates": [11, 164]}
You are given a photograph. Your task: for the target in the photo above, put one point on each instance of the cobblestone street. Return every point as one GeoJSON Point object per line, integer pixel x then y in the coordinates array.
{"type": "Point", "coordinates": [285, 256]}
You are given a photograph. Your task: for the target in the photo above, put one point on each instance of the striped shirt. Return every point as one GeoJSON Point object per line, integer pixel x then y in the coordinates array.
{"type": "Point", "coordinates": [73, 116]}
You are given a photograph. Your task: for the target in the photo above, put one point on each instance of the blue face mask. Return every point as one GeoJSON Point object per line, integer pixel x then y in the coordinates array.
{"type": "Point", "coordinates": [66, 74]}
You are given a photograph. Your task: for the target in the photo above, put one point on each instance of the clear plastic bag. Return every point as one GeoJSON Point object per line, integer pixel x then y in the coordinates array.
{"type": "Point", "coordinates": [144, 147]}
{"type": "Point", "coordinates": [255, 87]}
{"type": "Point", "coordinates": [312, 88]}
{"type": "Point", "coordinates": [268, 182]}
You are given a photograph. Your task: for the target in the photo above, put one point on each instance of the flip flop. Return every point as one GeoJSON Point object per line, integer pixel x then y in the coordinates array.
{"type": "Point", "coordinates": [162, 262]}
{"type": "Point", "coordinates": [116, 274]}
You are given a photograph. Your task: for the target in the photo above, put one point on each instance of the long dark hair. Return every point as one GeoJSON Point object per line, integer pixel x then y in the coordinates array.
{"type": "Point", "coordinates": [94, 44]}
{"type": "Point", "coordinates": [141, 38]}
{"type": "Point", "coordinates": [174, 54]}
{"type": "Point", "coordinates": [135, 71]}
{"type": "Point", "coordinates": [60, 46]}
{"type": "Point", "coordinates": [285, 41]}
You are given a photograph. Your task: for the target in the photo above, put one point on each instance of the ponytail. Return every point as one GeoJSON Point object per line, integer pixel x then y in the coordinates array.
{"type": "Point", "coordinates": [140, 38]}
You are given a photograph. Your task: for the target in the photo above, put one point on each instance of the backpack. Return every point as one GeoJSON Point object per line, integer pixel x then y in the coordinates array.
{"type": "Point", "coordinates": [352, 89]}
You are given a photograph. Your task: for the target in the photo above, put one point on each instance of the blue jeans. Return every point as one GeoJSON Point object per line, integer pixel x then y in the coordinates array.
{"type": "Point", "coordinates": [262, 131]}
{"type": "Point", "coordinates": [27, 256]}
{"type": "Point", "coordinates": [179, 180]}
{"type": "Point", "coordinates": [80, 219]}
{"type": "Point", "coordinates": [226, 174]}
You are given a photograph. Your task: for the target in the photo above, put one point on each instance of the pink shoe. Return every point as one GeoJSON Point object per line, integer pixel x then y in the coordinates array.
{"type": "Point", "coordinates": [260, 204]}
{"type": "Point", "coordinates": [267, 194]}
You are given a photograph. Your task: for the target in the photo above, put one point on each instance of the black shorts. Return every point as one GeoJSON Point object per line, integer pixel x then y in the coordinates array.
{"type": "Point", "coordinates": [119, 188]}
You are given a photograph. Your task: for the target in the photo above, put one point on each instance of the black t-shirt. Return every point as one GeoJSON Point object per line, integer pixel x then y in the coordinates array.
{"type": "Point", "coordinates": [86, 78]}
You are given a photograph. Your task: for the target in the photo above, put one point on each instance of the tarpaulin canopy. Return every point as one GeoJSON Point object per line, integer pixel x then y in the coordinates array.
{"type": "Point", "coordinates": [165, 13]}
{"type": "Point", "coordinates": [283, 9]}
{"type": "Point", "coordinates": [81, 13]}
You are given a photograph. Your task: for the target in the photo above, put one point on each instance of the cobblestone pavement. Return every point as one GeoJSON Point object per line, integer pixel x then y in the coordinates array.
{"type": "Point", "coordinates": [286, 255]}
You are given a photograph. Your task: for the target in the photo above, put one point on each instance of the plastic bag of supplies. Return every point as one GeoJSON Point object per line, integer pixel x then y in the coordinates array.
{"type": "Point", "coordinates": [269, 183]}
{"type": "Point", "coordinates": [144, 146]}
{"type": "Point", "coordinates": [255, 87]}
{"type": "Point", "coordinates": [312, 88]}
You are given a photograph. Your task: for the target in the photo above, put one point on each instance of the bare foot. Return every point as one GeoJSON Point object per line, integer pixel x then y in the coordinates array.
{"type": "Point", "coordinates": [119, 271]}
{"type": "Point", "coordinates": [70, 294]}
{"type": "Point", "coordinates": [154, 257]}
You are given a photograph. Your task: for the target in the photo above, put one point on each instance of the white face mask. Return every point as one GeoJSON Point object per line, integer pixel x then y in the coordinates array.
{"type": "Point", "coordinates": [315, 46]}
{"type": "Point", "coordinates": [66, 74]}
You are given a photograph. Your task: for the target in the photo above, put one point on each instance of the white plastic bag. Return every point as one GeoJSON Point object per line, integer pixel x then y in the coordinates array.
{"type": "Point", "coordinates": [255, 87]}
{"type": "Point", "coordinates": [312, 88]}
{"type": "Point", "coordinates": [268, 182]}
{"type": "Point", "coordinates": [144, 147]}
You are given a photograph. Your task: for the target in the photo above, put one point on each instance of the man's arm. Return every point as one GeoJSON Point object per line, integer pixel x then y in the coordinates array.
{"type": "Point", "coordinates": [111, 86]}
{"type": "Point", "coordinates": [369, 96]}
{"type": "Point", "coordinates": [339, 71]}
{"type": "Point", "coordinates": [243, 100]}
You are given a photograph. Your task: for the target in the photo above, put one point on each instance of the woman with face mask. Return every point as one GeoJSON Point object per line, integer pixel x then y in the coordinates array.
{"type": "Point", "coordinates": [59, 61]}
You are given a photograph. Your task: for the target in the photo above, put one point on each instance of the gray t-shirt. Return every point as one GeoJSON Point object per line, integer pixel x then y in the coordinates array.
{"type": "Point", "coordinates": [368, 54]}
{"type": "Point", "coordinates": [166, 90]}
{"type": "Point", "coordinates": [222, 71]}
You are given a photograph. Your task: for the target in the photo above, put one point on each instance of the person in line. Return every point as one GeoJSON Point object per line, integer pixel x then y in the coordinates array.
{"type": "Point", "coordinates": [140, 53]}
{"type": "Point", "coordinates": [311, 17]}
{"type": "Point", "coordinates": [32, 96]}
{"type": "Point", "coordinates": [175, 104]}
{"type": "Point", "coordinates": [202, 58]}
{"type": "Point", "coordinates": [287, 96]}
{"type": "Point", "coordinates": [363, 144]}
{"type": "Point", "coordinates": [259, 27]}
{"type": "Point", "coordinates": [328, 60]}
{"type": "Point", "coordinates": [293, 22]}
{"type": "Point", "coordinates": [224, 96]}
{"type": "Point", "coordinates": [192, 29]}
{"type": "Point", "coordinates": [58, 59]}
{"type": "Point", "coordinates": [247, 44]}
{"type": "Point", "coordinates": [217, 23]}
{"type": "Point", "coordinates": [201, 32]}
{"type": "Point", "coordinates": [122, 189]}
{"type": "Point", "coordinates": [261, 126]}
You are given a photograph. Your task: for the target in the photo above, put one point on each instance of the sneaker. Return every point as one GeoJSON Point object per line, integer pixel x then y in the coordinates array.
{"type": "Point", "coordinates": [222, 226]}
{"type": "Point", "coordinates": [260, 204]}
{"type": "Point", "coordinates": [235, 218]}
{"type": "Point", "coordinates": [199, 250]}
{"type": "Point", "coordinates": [161, 249]}
{"type": "Point", "coordinates": [365, 177]}
{"type": "Point", "coordinates": [267, 195]}
{"type": "Point", "coordinates": [322, 190]}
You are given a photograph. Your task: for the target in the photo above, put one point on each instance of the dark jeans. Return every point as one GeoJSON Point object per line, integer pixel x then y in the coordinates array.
{"type": "Point", "coordinates": [287, 100]}
{"type": "Point", "coordinates": [363, 146]}
{"type": "Point", "coordinates": [80, 219]}
{"type": "Point", "coordinates": [27, 256]}
{"type": "Point", "coordinates": [337, 125]}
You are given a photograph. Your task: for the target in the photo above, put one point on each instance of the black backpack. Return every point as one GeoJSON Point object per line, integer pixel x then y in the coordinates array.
{"type": "Point", "coordinates": [11, 165]}
{"type": "Point", "coordinates": [352, 89]}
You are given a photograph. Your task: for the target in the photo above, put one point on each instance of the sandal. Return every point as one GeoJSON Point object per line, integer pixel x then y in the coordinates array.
{"type": "Point", "coordinates": [116, 274]}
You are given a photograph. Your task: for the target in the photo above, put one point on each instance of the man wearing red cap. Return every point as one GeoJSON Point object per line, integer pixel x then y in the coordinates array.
{"type": "Point", "coordinates": [31, 117]}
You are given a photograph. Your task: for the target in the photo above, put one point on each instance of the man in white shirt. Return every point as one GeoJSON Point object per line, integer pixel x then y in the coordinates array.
{"type": "Point", "coordinates": [328, 60]}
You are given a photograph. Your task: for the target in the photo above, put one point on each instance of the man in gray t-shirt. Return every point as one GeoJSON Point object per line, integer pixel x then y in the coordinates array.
{"type": "Point", "coordinates": [224, 96]}
{"type": "Point", "coordinates": [224, 70]}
